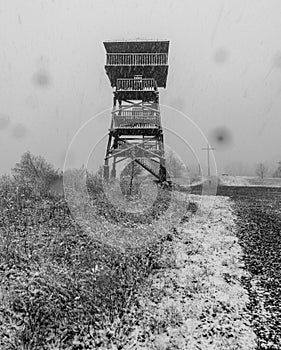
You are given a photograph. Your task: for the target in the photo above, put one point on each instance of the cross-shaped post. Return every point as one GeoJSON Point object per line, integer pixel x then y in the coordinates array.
{"type": "Point", "coordinates": [208, 149]}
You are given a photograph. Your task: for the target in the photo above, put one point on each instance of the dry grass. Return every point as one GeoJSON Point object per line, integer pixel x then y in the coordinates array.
{"type": "Point", "coordinates": [61, 287]}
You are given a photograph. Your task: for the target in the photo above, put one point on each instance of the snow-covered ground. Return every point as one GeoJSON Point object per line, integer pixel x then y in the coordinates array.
{"type": "Point", "coordinates": [228, 180]}
{"type": "Point", "coordinates": [199, 301]}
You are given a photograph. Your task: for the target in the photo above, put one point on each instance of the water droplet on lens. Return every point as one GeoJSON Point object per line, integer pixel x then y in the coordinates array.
{"type": "Point", "coordinates": [42, 78]}
{"type": "Point", "coordinates": [220, 55]}
{"type": "Point", "coordinates": [221, 138]}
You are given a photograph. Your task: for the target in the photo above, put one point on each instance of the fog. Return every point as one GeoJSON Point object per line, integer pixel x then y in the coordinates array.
{"type": "Point", "coordinates": [224, 76]}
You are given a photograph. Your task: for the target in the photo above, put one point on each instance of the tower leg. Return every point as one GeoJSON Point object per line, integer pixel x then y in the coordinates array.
{"type": "Point", "coordinates": [162, 170]}
{"type": "Point", "coordinates": [113, 171]}
{"type": "Point", "coordinates": [106, 171]}
{"type": "Point", "coordinates": [106, 165]}
{"type": "Point", "coordinates": [162, 173]}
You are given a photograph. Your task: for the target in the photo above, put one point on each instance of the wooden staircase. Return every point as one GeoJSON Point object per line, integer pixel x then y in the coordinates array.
{"type": "Point", "coordinates": [154, 168]}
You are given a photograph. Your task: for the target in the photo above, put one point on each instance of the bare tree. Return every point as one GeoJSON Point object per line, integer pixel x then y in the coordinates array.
{"type": "Point", "coordinates": [131, 170]}
{"type": "Point", "coordinates": [261, 170]}
{"type": "Point", "coordinates": [277, 172]}
{"type": "Point", "coordinates": [175, 166]}
{"type": "Point", "coordinates": [36, 172]}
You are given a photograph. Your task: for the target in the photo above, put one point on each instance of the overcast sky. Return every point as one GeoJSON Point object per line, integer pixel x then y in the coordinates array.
{"type": "Point", "coordinates": [224, 72]}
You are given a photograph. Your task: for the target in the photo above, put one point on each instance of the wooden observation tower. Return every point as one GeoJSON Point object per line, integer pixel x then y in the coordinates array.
{"type": "Point", "coordinates": [136, 69]}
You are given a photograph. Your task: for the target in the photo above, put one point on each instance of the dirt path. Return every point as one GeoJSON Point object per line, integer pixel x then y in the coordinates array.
{"type": "Point", "coordinates": [199, 301]}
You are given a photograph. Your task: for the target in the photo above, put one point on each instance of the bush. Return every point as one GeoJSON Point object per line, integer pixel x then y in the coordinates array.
{"type": "Point", "coordinates": [36, 173]}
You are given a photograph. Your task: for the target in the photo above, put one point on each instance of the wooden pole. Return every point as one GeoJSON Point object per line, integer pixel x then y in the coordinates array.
{"type": "Point", "coordinates": [208, 149]}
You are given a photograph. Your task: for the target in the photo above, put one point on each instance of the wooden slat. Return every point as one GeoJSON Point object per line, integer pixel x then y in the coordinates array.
{"type": "Point", "coordinates": [136, 59]}
{"type": "Point", "coordinates": [136, 121]}
{"type": "Point", "coordinates": [127, 84]}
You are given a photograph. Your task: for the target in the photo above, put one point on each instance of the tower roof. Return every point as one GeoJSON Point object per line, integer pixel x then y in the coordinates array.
{"type": "Point", "coordinates": [148, 58]}
{"type": "Point", "coordinates": [137, 46]}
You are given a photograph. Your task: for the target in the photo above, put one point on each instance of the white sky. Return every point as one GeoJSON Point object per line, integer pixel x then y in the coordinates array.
{"type": "Point", "coordinates": [225, 71]}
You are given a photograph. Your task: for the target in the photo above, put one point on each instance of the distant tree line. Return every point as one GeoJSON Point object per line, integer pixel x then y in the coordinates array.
{"type": "Point", "coordinates": [35, 173]}
{"type": "Point", "coordinates": [262, 170]}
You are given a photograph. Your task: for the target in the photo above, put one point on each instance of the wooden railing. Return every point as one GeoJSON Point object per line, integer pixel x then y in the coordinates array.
{"type": "Point", "coordinates": [142, 146]}
{"type": "Point", "coordinates": [136, 119]}
{"type": "Point", "coordinates": [136, 59]}
{"type": "Point", "coordinates": [136, 113]}
{"type": "Point", "coordinates": [136, 84]}
{"type": "Point", "coordinates": [150, 146]}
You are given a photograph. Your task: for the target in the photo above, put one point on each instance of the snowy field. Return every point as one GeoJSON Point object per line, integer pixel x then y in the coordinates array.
{"type": "Point", "coordinates": [228, 180]}
{"type": "Point", "coordinates": [199, 302]}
